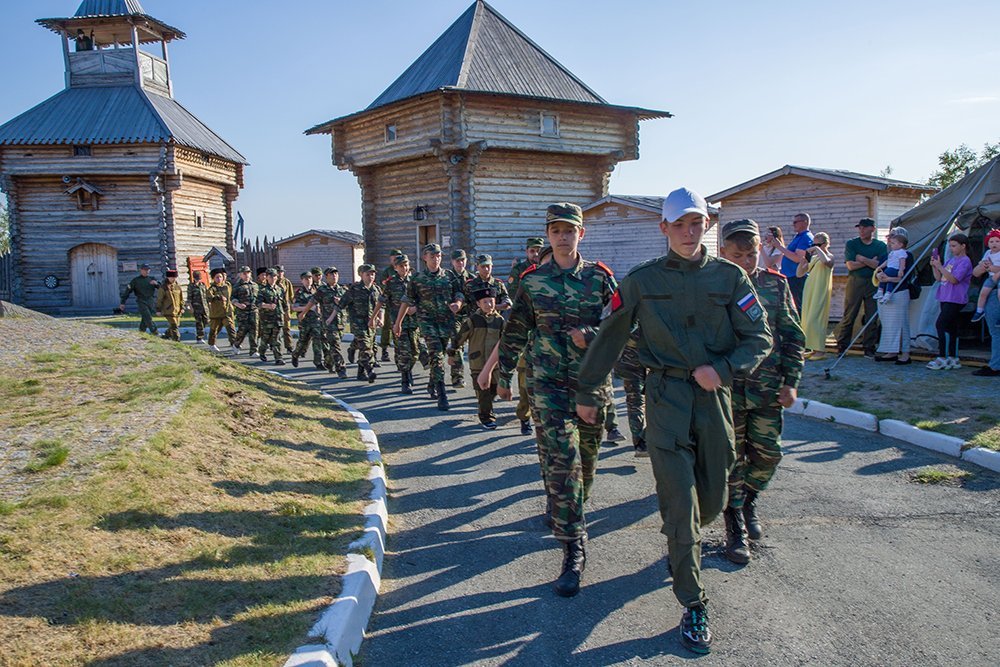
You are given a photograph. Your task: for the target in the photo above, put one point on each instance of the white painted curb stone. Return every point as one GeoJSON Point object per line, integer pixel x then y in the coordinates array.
{"type": "Point", "coordinates": [937, 442]}
{"type": "Point", "coordinates": [986, 458]}
{"type": "Point", "coordinates": [855, 418]}
{"type": "Point", "coordinates": [798, 407]}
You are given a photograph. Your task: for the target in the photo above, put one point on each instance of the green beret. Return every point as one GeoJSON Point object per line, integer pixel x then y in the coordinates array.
{"type": "Point", "coordinates": [395, 252]}
{"type": "Point", "coordinates": [432, 248]}
{"type": "Point", "coordinates": [329, 270]}
{"type": "Point", "coordinates": [535, 242]}
{"type": "Point", "coordinates": [735, 226]}
{"type": "Point", "coordinates": [280, 268]}
{"type": "Point", "coordinates": [458, 254]}
{"type": "Point", "coordinates": [316, 271]}
{"type": "Point", "coordinates": [244, 269]}
{"type": "Point", "coordinates": [365, 268]}
{"type": "Point", "coordinates": [564, 212]}
{"type": "Point", "coordinates": [272, 271]}
{"type": "Point", "coordinates": [484, 260]}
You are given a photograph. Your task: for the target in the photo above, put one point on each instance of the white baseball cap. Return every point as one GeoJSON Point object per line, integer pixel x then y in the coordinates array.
{"type": "Point", "coordinates": [683, 201]}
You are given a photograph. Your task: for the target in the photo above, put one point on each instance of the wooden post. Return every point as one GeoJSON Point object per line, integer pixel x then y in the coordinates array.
{"type": "Point", "coordinates": [138, 61]}
{"type": "Point", "coordinates": [65, 41]}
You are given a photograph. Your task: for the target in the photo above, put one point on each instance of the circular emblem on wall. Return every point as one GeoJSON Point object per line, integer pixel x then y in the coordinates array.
{"type": "Point", "coordinates": [51, 282]}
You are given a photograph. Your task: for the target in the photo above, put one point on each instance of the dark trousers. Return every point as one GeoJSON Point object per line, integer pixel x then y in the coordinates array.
{"type": "Point", "coordinates": [796, 285]}
{"type": "Point", "coordinates": [947, 329]}
{"type": "Point", "coordinates": [485, 399]}
{"type": "Point", "coordinates": [859, 293]}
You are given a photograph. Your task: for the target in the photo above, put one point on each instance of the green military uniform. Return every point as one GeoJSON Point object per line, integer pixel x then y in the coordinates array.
{"type": "Point", "coordinates": [286, 325]}
{"type": "Point", "coordinates": [482, 333]}
{"type": "Point", "coordinates": [247, 323]}
{"type": "Point", "coordinates": [198, 302]}
{"type": "Point", "coordinates": [432, 293]}
{"type": "Point", "coordinates": [550, 301]}
{"type": "Point", "coordinates": [359, 302]}
{"type": "Point", "coordinates": [477, 284]}
{"type": "Point", "coordinates": [271, 321]}
{"type": "Point", "coordinates": [332, 321]}
{"type": "Point", "coordinates": [220, 311]}
{"type": "Point", "coordinates": [455, 356]}
{"type": "Point", "coordinates": [407, 347]}
{"type": "Point", "coordinates": [523, 409]}
{"type": "Point", "coordinates": [310, 328]}
{"type": "Point", "coordinates": [385, 335]}
{"type": "Point", "coordinates": [170, 304]}
{"type": "Point", "coordinates": [144, 288]}
{"type": "Point", "coordinates": [633, 376]}
{"type": "Point", "coordinates": [757, 415]}
{"type": "Point", "coordinates": [692, 313]}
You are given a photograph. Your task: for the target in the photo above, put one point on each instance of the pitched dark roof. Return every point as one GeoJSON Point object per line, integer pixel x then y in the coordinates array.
{"type": "Point", "coordinates": [114, 115]}
{"type": "Point", "coordinates": [339, 235]}
{"type": "Point", "coordinates": [96, 13]}
{"type": "Point", "coordinates": [832, 175]}
{"type": "Point", "coordinates": [109, 8]}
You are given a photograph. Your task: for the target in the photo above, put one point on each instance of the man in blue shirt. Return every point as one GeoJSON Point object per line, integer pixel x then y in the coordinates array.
{"type": "Point", "coordinates": [794, 254]}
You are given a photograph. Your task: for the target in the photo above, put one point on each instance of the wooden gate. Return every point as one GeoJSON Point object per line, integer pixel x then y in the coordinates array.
{"type": "Point", "coordinates": [94, 276]}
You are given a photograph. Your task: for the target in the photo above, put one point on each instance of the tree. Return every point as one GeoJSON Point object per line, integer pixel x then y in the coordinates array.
{"type": "Point", "coordinates": [4, 230]}
{"type": "Point", "coordinates": [955, 164]}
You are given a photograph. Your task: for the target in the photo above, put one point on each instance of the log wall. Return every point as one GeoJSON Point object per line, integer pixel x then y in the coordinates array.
{"type": "Point", "coordinates": [318, 250]}
{"type": "Point", "coordinates": [361, 142]}
{"type": "Point", "coordinates": [59, 160]}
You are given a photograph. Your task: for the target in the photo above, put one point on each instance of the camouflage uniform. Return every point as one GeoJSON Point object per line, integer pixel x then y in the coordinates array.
{"type": "Point", "coordinates": [220, 312]}
{"type": "Point", "coordinates": [757, 415]}
{"type": "Point", "coordinates": [145, 298]}
{"type": "Point", "coordinates": [633, 377]}
{"type": "Point", "coordinates": [245, 293]}
{"type": "Point", "coordinates": [477, 283]}
{"type": "Point", "coordinates": [286, 325]}
{"type": "Point", "coordinates": [326, 298]}
{"type": "Point", "coordinates": [198, 302]}
{"type": "Point", "coordinates": [393, 291]}
{"type": "Point", "coordinates": [385, 335]}
{"type": "Point", "coordinates": [457, 355]}
{"type": "Point", "coordinates": [170, 303]}
{"type": "Point", "coordinates": [432, 293]}
{"type": "Point", "coordinates": [523, 410]}
{"type": "Point", "coordinates": [271, 321]}
{"type": "Point", "coordinates": [359, 303]}
{"type": "Point", "coordinates": [310, 327]}
{"type": "Point", "coordinates": [550, 301]}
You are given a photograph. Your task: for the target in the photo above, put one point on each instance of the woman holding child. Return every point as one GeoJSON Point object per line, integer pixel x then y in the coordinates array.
{"type": "Point", "coordinates": [894, 304]}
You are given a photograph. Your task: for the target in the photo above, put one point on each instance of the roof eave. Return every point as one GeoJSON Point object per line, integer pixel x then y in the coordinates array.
{"type": "Point", "coordinates": [792, 170]}
{"type": "Point", "coordinates": [59, 25]}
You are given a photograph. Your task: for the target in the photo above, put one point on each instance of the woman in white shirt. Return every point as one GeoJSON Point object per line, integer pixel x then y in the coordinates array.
{"type": "Point", "coordinates": [770, 254]}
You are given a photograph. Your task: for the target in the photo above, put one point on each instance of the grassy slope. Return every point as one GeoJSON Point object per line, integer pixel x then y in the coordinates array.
{"type": "Point", "coordinates": [211, 540]}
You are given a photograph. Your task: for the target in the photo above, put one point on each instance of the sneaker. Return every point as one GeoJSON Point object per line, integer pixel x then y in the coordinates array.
{"type": "Point", "coordinates": [279, 362]}
{"type": "Point", "coordinates": [263, 356]}
{"type": "Point", "coordinates": [938, 364]}
{"type": "Point", "coordinates": [458, 383]}
{"type": "Point", "coordinates": [986, 372]}
{"type": "Point", "coordinates": [869, 354]}
{"type": "Point", "coordinates": [614, 435]}
{"type": "Point", "coordinates": [385, 355]}
{"type": "Point", "coordinates": [641, 450]}
{"type": "Point", "coordinates": [695, 634]}
{"type": "Point", "coordinates": [342, 373]}
{"type": "Point", "coordinates": [199, 339]}
{"type": "Point", "coordinates": [489, 425]}
{"type": "Point", "coordinates": [525, 427]}
{"type": "Point", "coordinates": [214, 348]}
{"type": "Point", "coordinates": [978, 316]}
{"type": "Point", "coordinates": [953, 363]}
{"type": "Point", "coordinates": [295, 361]}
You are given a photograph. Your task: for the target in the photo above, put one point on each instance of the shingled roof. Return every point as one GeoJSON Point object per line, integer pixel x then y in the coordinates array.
{"type": "Point", "coordinates": [114, 115]}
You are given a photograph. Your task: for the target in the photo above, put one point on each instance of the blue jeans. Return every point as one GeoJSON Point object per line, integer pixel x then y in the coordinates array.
{"type": "Point", "coordinates": [993, 321]}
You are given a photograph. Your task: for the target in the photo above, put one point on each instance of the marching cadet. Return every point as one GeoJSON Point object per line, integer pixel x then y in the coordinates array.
{"type": "Point", "coordinates": [220, 309]}
{"type": "Point", "coordinates": [533, 247]}
{"type": "Point", "coordinates": [701, 324]}
{"type": "Point", "coordinates": [760, 397]}
{"type": "Point", "coordinates": [286, 326]}
{"type": "Point", "coordinates": [310, 327]}
{"type": "Point", "coordinates": [325, 298]}
{"type": "Point", "coordinates": [360, 301]}
{"type": "Point", "coordinates": [459, 262]}
{"type": "Point", "coordinates": [170, 304]}
{"type": "Point", "coordinates": [271, 304]}
{"type": "Point", "coordinates": [245, 303]}
{"type": "Point", "coordinates": [144, 289]}
{"type": "Point", "coordinates": [437, 296]}
{"type": "Point", "coordinates": [197, 303]}
{"type": "Point", "coordinates": [484, 278]}
{"type": "Point", "coordinates": [261, 277]}
{"type": "Point", "coordinates": [385, 335]}
{"type": "Point", "coordinates": [482, 332]}
{"type": "Point", "coordinates": [633, 377]}
{"type": "Point", "coordinates": [393, 291]}
{"type": "Point", "coordinates": [558, 308]}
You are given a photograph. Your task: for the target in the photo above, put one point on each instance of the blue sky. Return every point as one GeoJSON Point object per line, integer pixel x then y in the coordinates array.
{"type": "Point", "coordinates": [754, 86]}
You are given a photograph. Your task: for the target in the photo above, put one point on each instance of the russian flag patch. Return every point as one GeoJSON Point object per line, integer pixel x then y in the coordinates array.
{"type": "Point", "coordinates": [750, 306]}
{"type": "Point", "coordinates": [613, 305]}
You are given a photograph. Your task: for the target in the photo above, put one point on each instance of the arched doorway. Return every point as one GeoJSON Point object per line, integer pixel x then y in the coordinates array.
{"type": "Point", "coordinates": [94, 276]}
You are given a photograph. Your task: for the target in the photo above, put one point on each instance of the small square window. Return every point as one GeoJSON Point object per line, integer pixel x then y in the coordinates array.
{"type": "Point", "coordinates": [390, 133]}
{"type": "Point", "coordinates": [81, 151]}
{"type": "Point", "coordinates": [550, 125]}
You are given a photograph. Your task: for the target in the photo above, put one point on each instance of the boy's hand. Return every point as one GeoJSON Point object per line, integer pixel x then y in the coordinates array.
{"type": "Point", "coordinates": [787, 396]}
{"type": "Point", "coordinates": [578, 338]}
{"type": "Point", "coordinates": [504, 393]}
{"type": "Point", "coordinates": [587, 413]}
{"type": "Point", "coordinates": [483, 380]}
{"type": "Point", "coordinates": [706, 377]}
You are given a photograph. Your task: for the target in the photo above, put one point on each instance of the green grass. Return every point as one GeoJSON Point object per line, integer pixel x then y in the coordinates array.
{"type": "Point", "coordinates": [50, 453]}
{"type": "Point", "coordinates": [987, 440]}
{"type": "Point", "coordinates": [937, 476]}
{"type": "Point", "coordinates": [934, 425]}
{"type": "Point", "coordinates": [6, 508]}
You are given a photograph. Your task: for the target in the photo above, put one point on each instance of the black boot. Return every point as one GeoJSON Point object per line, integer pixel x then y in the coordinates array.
{"type": "Point", "coordinates": [406, 382]}
{"type": "Point", "coordinates": [442, 397]}
{"type": "Point", "coordinates": [385, 354]}
{"type": "Point", "coordinates": [737, 549]}
{"type": "Point", "coordinates": [754, 530]}
{"type": "Point", "coordinates": [350, 355]}
{"type": "Point", "coordinates": [432, 390]}
{"type": "Point", "coordinates": [371, 375]}
{"type": "Point", "coordinates": [361, 373]}
{"type": "Point", "coordinates": [295, 360]}
{"type": "Point", "coordinates": [574, 561]}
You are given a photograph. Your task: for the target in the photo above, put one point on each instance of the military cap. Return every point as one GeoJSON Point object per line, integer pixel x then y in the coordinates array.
{"type": "Point", "coordinates": [395, 252]}
{"type": "Point", "coordinates": [458, 254]}
{"type": "Point", "coordinates": [682, 201]}
{"type": "Point", "coordinates": [306, 274]}
{"type": "Point", "coordinates": [365, 268]}
{"type": "Point", "coordinates": [564, 212]}
{"type": "Point", "coordinates": [400, 259]}
{"type": "Point", "coordinates": [280, 268]}
{"type": "Point", "coordinates": [534, 242]}
{"type": "Point", "coordinates": [144, 266]}
{"type": "Point", "coordinates": [271, 272]}
{"type": "Point", "coordinates": [216, 272]}
{"type": "Point", "coordinates": [744, 225]}
{"type": "Point", "coordinates": [485, 293]}
{"type": "Point", "coordinates": [432, 248]}
{"type": "Point", "coordinates": [244, 269]}
{"type": "Point", "coordinates": [171, 273]}
{"type": "Point", "coordinates": [484, 260]}
{"type": "Point", "coordinates": [865, 222]}
{"type": "Point", "coordinates": [329, 270]}
{"type": "Point", "coordinates": [316, 271]}
{"type": "Point", "coordinates": [261, 270]}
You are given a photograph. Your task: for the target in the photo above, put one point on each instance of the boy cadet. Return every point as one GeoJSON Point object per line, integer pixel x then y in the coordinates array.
{"type": "Point", "coordinates": [533, 246]}
{"type": "Point", "coordinates": [360, 301]}
{"type": "Point", "coordinates": [325, 298]}
{"type": "Point", "coordinates": [633, 376]}
{"type": "Point", "coordinates": [437, 296]}
{"type": "Point", "coordinates": [310, 327]}
{"type": "Point", "coordinates": [385, 335]}
{"type": "Point", "coordinates": [483, 279]}
{"type": "Point", "coordinates": [456, 359]}
{"type": "Point", "coordinates": [391, 299]}
{"type": "Point", "coordinates": [558, 308]}
{"type": "Point", "coordinates": [271, 304]}
{"type": "Point", "coordinates": [286, 326]}
{"type": "Point", "coordinates": [701, 324]}
{"type": "Point", "coordinates": [482, 332]}
{"type": "Point", "coordinates": [220, 310]}
{"type": "Point", "coordinates": [245, 302]}
{"type": "Point", "coordinates": [170, 304]}
{"type": "Point", "coordinates": [759, 397]}
{"type": "Point", "coordinates": [144, 289]}
{"type": "Point", "coordinates": [197, 303]}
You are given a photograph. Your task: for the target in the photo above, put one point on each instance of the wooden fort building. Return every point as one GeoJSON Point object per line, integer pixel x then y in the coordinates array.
{"type": "Point", "coordinates": [112, 172]}
{"type": "Point", "coordinates": [472, 142]}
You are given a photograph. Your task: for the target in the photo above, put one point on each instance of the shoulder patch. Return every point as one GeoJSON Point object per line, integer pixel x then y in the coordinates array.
{"type": "Point", "coordinates": [774, 272]}
{"type": "Point", "coordinates": [604, 267]}
{"type": "Point", "coordinates": [613, 305]}
{"type": "Point", "coordinates": [750, 306]}
{"type": "Point", "coordinates": [533, 267]}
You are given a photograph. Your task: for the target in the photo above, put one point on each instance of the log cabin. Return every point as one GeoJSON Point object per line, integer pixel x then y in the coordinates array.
{"type": "Point", "coordinates": [322, 248]}
{"type": "Point", "coordinates": [476, 137]}
{"type": "Point", "coordinates": [834, 199]}
{"type": "Point", "coordinates": [112, 172]}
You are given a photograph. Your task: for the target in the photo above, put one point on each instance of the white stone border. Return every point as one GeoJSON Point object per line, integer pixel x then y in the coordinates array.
{"type": "Point", "coordinates": [899, 430]}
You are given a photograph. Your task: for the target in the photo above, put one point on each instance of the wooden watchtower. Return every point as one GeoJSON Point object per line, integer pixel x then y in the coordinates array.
{"type": "Point", "coordinates": [112, 172]}
{"type": "Point", "coordinates": [475, 138]}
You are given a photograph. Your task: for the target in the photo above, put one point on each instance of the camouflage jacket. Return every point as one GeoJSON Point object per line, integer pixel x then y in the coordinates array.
{"type": "Point", "coordinates": [143, 288]}
{"type": "Point", "coordinates": [170, 299]}
{"type": "Point", "coordinates": [393, 293]}
{"type": "Point", "coordinates": [518, 268]}
{"type": "Point", "coordinates": [326, 298]}
{"type": "Point", "coordinates": [359, 303]}
{"type": "Point", "coordinates": [477, 283]}
{"type": "Point", "coordinates": [628, 365]}
{"type": "Point", "coordinates": [219, 298]}
{"type": "Point", "coordinates": [271, 294]}
{"type": "Point", "coordinates": [432, 293]}
{"type": "Point", "coordinates": [463, 279]}
{"type": "Point", "coordinates": [783, 363]}
{"type": "Point", "coordinates": [245, 292]}
{"type": "Point", "coordinates": [302, 298]}
{"type": "Point", "coordinates": [198, 298]}
{"type": "Point", "coordinates": [550, 302]}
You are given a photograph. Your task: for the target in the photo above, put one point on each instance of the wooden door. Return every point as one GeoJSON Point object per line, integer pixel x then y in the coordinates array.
{"type": "Point", "coordinates": [425, 234]}
{"type": "Point", "coordinates": [94, 276]}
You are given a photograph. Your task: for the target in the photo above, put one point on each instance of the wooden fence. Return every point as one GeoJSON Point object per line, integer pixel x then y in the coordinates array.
{"type": "Point", "coordinates": [257, 254]}
{"type": "Point", "coordinates": [6, 277]}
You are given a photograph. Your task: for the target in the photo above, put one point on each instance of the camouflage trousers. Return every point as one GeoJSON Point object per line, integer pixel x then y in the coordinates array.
{"type": "Point", "coordinates": [523, 410]}
{"type": "Point", "coordinates": [569, 450]}
{"type": "Point", "coordinates": [246, 327]}
{"type": "Point", "coordinates": [457, 356]}
{"type": "Point", "coordinates": [310, 331]}
{"type": "Point", "coordinates": [286, 333]}
{"type": "Point", "coordinates": [633, 377]}
{"type": "Point", "coordinates": [333, 355]}
{"type": "Point", "coordinates": [757, 421]}
{"type": "Point", "coordinates": [147, 309]}
{"type": "Point", "coordinates": [436, 347]}
{"type": "Point", "coordinates": [173, 327]}
{"type": "Point", "coordinates": [407, 350]}
{"type": "Point", "coordinates": [270, 336]}
{"type": "Point", "coordinates": [200, 322]}
{"type": "Point", "coordinates": [364, 343]}
{"type": "Point", "coordinates": [611, 417]}
{"type": "Point", "coordinates": [385, 335]}
{"type": "Point", "coordinates": [216, 324]}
